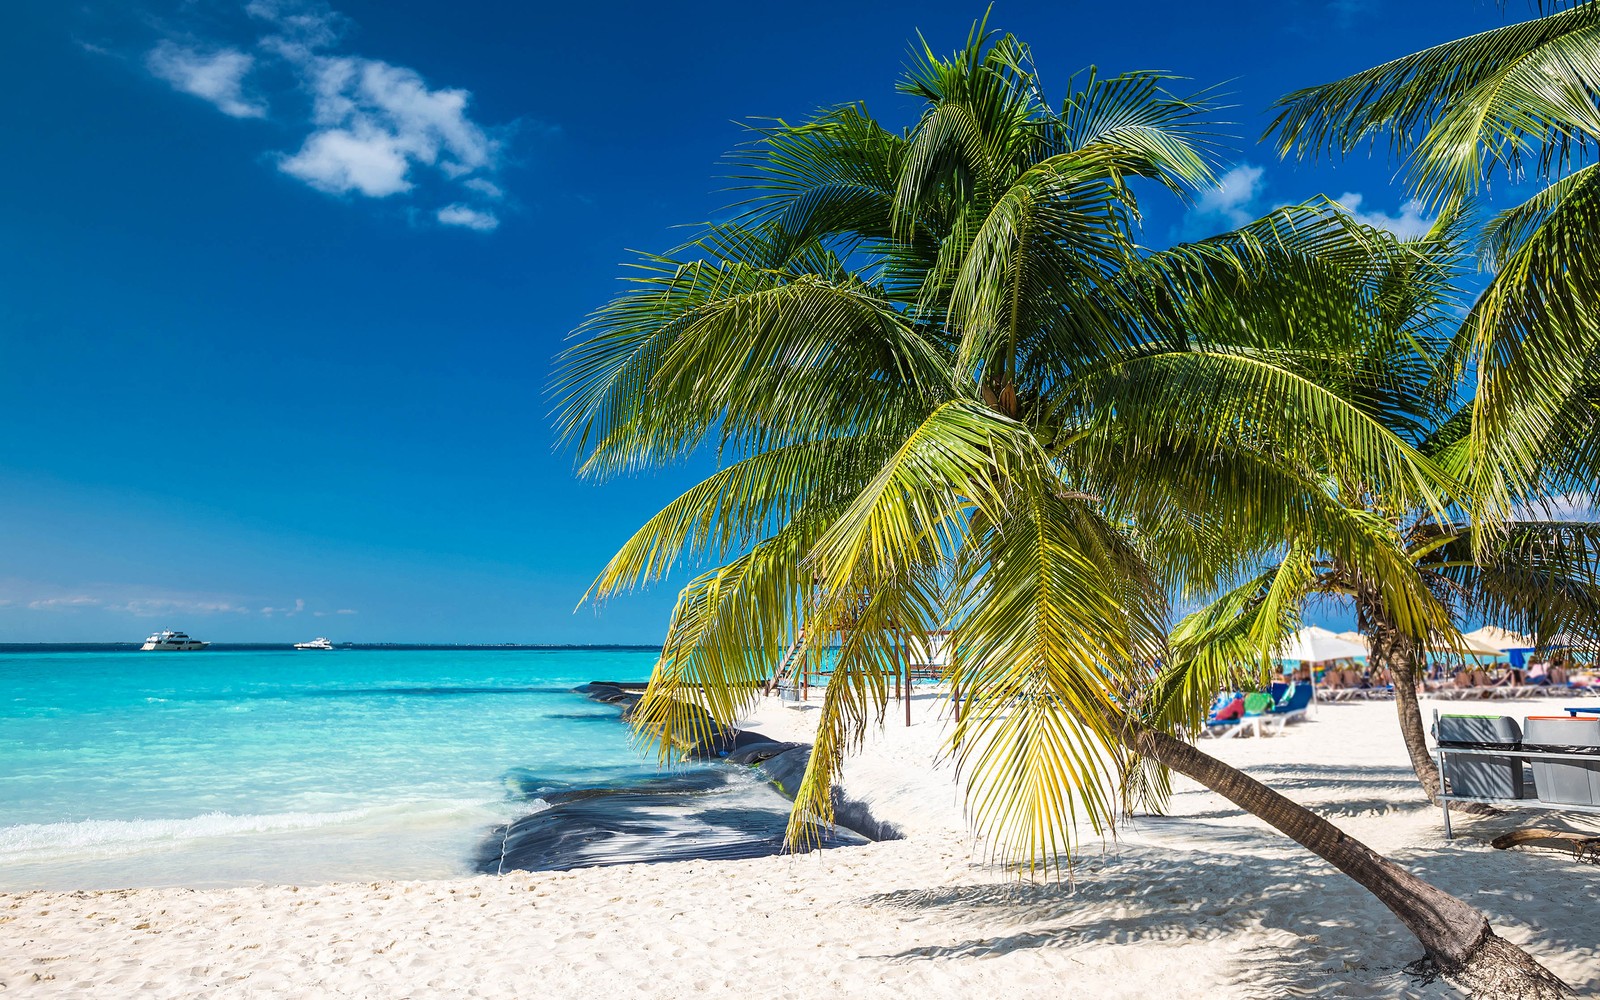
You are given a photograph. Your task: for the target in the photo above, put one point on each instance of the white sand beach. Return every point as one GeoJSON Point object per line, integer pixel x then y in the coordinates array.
{"type": "Point", "coordinates": [1206, 902]}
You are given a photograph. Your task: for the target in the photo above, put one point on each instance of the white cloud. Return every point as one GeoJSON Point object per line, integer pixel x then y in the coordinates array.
{"type": "Point", "coordinates": [1229, 205]}
{"type": "Point", "coordinates": [1408, 225]}
{"type": "Point", "coordinates": [376, 121]}
{"type": "Point", "coordinates": [1575, 506]}
{"type": "Point", "coordinates": [464, 215]}
{"type": "Point", "coordinates": [487, 188]}
{"type": "Point", "coordinates": [339, 161]}
{"type": "Point", "coordinates": [216, 75]}
{"type": "Point", "coordinates": [374, 129]}
{"type": "Point", "coordinates": [136, 600]}
{"type": "Point", "coordinates": [346, 611]}
{"type": "Point", "coordinates": [64, 603]}
{"type": "Point", "coordinates": [303, 25]}
{"type": "Point", "coordinates": [153, 607]}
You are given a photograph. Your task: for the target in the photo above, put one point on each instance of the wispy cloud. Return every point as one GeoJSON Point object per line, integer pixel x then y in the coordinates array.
{"type": "Point", "coordinates": [139, 601]}
{"type": "Point", "coordinates": [299, 27]}
{"type": "Point", "coordinates": [1409, 224]}
{"type": "Point", "coordinates": [1578, 505]}
{"type": "Point", "coordinates": [73, 603]}
{"type": "Point", "coordinates": [373, 129]}
{"type": "Point", "coordinates": [465, 215]}
{"type": "Point", "coordinates": [157, 607]}
{"type": "Point", "coordinates": [1229, 205]}
{"type": "Point", "coordinates": [217, 75]}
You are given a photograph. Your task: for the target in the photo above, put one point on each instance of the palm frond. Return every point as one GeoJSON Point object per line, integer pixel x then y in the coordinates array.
{"type": "Point", "coordinates": [1535, 334]}
{"type": "Point", "coordinates": [1057, 628]}
{"type": "Point", "coordinates": [1231, 641]}
{"type": "Point", "coordinates": [1464, 107]}
{"type": "Point", "coordinates": [728, 629]}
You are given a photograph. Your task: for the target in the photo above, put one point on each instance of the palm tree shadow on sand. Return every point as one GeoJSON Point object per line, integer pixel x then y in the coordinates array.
{"type": "Point", "coordinates": [1341, 944]}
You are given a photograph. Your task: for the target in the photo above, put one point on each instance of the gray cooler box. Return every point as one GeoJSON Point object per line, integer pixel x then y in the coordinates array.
{"type": "Point", "coordinates": [1577, 783]}
{"type": "Point", "coordinates": [1479, 775]}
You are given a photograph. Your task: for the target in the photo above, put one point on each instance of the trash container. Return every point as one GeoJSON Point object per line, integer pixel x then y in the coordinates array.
{"type": "Point", "coordinates": [1480, 775]}
{"type": "Point", "coordinates": [1576, 783]}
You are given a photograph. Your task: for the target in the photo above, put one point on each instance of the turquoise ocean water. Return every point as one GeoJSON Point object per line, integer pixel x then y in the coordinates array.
{"type": "Point", "coordinates": [236, 767]}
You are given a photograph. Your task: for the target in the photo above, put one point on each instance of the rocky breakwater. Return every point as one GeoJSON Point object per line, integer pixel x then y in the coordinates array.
{"type": "Point", "coordinates": [731, 798]}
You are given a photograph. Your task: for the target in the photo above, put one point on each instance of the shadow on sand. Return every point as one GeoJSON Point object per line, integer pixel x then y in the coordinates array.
{"type": "Point", "coordinates": [1250, 886]}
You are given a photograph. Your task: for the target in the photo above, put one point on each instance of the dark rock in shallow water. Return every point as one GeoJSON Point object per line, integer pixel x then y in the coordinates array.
{"type": "Point", "coordinates": [703, 814]}
{"type": "Point", "coordinates": [785, 771]}
{"type": "Point", "coordinates": [696, 813]}
{"type": "Point", "coordinates": [595, 688]}
{"type": "Point", "coordinates": [728, 742]}
{"type": "Point", "coordinates": [755, 753]}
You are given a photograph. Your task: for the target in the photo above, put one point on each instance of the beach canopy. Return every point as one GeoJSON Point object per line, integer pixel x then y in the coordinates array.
{"type": "Point", "coordinates": [1357, 638]}
{"type": "Point", "coordinates": [1472, 645]}
{"type": "Point", "coordinates": [1499, 639]}
{"type": "Point", "coordinates": [1463, 643]}
{"type": "Point", "coordinates": [1314, 645]}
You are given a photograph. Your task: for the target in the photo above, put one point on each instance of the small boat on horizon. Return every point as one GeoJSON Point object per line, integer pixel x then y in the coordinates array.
{"type": "Point", "coordinates": [169, 641]}
{"type": "Point", "coordinates": [318, 643]}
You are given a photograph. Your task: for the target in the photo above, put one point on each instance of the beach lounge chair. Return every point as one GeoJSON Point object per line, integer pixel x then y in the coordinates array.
{"type": "Point", "coordinates": [1294, 703]}
{"type": "Point", "coordinates": [1258, 715]}
{"type": "Point", "coordinates": [1226, 711]}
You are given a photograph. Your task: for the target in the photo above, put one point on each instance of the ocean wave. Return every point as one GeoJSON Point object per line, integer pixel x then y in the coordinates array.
{"type": "Point", "coordinates": [118, 836]}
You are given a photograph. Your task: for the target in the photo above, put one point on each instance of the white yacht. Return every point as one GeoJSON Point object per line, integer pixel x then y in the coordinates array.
{"type": "Point", "coordinates": [171, 641]}
{"type": "Point", "coordinates": [318, 643]}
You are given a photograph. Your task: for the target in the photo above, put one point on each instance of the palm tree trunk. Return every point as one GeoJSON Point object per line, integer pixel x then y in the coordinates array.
{"type": "Point", "coordinates": [1396, 652]}
{"type": "Point", "coordinates": [1458, 940]}
{"type": "Point", "coordinates": [1389, 650]}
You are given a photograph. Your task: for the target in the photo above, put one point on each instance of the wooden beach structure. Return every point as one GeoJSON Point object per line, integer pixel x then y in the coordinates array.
{"type": "Point", "coordinates": [918, 656]}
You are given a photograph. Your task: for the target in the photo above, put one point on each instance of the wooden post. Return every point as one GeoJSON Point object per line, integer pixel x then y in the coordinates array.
{"type": "Point", "coordinates": [955, 681]}
{"type": "Point", "coordinates": [805, 679]}
{"type": "Point", "coordinates": [905, 655]}
{"type": "Point", "coordinates": [897, 679]}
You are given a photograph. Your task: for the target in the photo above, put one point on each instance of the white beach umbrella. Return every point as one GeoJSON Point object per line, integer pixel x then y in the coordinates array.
{"type": "Point", "coordinates": [1499, 639]}
{"type": "Point", "coordinates": [1463, 643]}
{"type": "Point", "coordinates": [1473, 644]}
{"type": "Point", "coordinates": [1357, 638]}
{"type": "Point", "coordinates": [1316, 645]}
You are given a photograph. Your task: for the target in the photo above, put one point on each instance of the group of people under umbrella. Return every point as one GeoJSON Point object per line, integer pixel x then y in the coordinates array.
{"type": "Point", "coordinates": [1488, 662]}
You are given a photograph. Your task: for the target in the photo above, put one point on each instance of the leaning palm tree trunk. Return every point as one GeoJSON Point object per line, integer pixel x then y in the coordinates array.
{"type": "Point", "coordinates": [1457, 937]}
{"type": "Point", "coordinates": [1397, 653]}
{"type": "Point", "coordinates": [1390, 650]}
{"type": "Point", "coordinates": [1401, 666]}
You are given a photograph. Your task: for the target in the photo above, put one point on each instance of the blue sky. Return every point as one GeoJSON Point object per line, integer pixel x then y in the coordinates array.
{"type": "Point", "coordinates": [283, 280]}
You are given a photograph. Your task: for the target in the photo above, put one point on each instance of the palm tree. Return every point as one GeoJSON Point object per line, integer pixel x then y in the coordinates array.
{"type": "Point", "coordinates": [1542, 580]}
{"type": "Point", "coordinates": [950, 388]}
{"type": "Point", "coordinates": [1515, 101]}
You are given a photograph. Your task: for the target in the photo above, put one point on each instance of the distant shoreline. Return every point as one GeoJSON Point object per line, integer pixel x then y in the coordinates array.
{"type": "Point", "coordinates": [239, 647]}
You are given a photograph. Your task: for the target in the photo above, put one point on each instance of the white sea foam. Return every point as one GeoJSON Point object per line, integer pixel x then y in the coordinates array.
{"type": "Point", "coordinates": [103, 837]}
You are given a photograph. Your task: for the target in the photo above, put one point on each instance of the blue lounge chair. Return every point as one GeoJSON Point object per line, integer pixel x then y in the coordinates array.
{"type": "Point", "coordinates": [1293, 705]}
